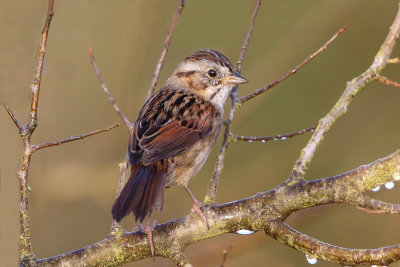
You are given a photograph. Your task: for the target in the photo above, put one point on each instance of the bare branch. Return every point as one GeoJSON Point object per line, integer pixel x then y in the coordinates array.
{"type": "Point", "coordinates": [353, 87]}
{"type": "Point", "coordinates": [262, 212]}
{"type": "Point", "coordinates": [293, 71]}
{"type": "Point", "coordinates": [12, 116]}
{"type": "Point", "coordinates": [385, 80]}
{"type": "Point", "coordinates": [370, 205]}
{"type": "Point", "coordinates": [393, 60]}
{"type": "Point", "coordinates": [165, 49]}
{"type": "Point", "coordinates": [264, 139]}
{"type": "Point", "coordinates": [248, 36]}
{"type": "Point", "coordinates": [39, 68]}
{"type": "Point", "coordinates": [212, 187]}
{"type": "Point", "coordinates": [107, 92]}
{"type": "Point", "coordinates": [25, 132]}
{"type": "Point", "coordinates": [318, 249]}
{"type": "Point", "coordinates": [225, 257]}
{"type": "Point", "coordinates": [73, 138]}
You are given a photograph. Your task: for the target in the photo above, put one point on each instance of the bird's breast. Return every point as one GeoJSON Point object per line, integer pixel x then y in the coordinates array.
{"type": "Point", "coordinates": [186, 165]}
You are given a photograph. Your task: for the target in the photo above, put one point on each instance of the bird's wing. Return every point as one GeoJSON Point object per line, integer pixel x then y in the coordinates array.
{"type": "Point", "coordinates": [169, 124]}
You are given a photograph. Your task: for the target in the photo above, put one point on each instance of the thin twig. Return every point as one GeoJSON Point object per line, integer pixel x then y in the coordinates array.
{"type": "Point", "coordinates": [352, 88]}
{"type": "Point", "coordinates": [393, 60]}
{"type": "Point", "coordinates": [264, 139]}
{"type": "Point", "coordinates": [370, 205]}
{"type": "Point", "coordinates": [73, 138]}
{"type": "Point", "coordinates": [116, 227]}
{"type": "Point", "coordinates": [385, 80]}
{"type": "Point", "coordinates": [165, 49]}
{"type": "Point", "coordinates": [107, 92]}
{"type": "Point", "coordinates": [212, 187]}
{"type": "Point", "coordinates": [225, 252]}
{"type": "Point", "coordinates": [248, 36]}
{"type": "Point", "coordinates": [26, 254]}
{"type": "Point", "coordinates": [12, 116]}
{"type": "Point", "coordinates": [39, 68]}
{"type": "Point", "coordinates": [293, 71]}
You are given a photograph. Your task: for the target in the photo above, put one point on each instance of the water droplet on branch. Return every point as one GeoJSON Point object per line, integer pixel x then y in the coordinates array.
{"type": "Point", "coordinates": [389, 185]}
{"type": "Point", "coordinates": [244, 232]}
{"type": "Point", "coordinates": [376, 189]}
{"type": "Point", "coordinates": [311, 260]}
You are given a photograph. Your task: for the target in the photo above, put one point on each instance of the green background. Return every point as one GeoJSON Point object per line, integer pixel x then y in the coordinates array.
{"type": "Point", "coordinates": [73, 186]}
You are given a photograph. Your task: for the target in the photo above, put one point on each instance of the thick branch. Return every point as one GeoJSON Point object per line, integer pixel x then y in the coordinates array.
{"type": "Point", "coordinates": [260, 212]}
{"type": "Point", "coordinates": [353, 87]}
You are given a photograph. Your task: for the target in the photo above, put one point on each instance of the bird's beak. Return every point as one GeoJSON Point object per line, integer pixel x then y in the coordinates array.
{"type": "Point", "coordinates": [235, 79]}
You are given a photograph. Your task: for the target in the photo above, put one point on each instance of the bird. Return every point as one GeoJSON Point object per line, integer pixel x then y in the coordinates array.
{"type": "Point", "coordinates": [175, 132]}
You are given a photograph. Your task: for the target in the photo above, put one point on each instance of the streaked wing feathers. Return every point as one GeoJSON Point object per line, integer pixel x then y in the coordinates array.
{"type": "Point", "coordinates": [169, 124]}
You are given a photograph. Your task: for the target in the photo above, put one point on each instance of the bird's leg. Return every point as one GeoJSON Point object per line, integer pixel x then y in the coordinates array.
{"type": "Point", "coordinates": [148, 230]}
{"type": "Point", "coordinates": [196, 206]}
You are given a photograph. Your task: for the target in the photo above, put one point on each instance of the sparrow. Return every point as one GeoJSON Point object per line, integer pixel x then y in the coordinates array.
{"type": "Point", "coordinates": [174, 133]}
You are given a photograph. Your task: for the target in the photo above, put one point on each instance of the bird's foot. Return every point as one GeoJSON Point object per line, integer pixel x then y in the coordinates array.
{"type": "Point", "coordinates": [197, 208]}
{"type": "Point", "coordinates": [148, 230]}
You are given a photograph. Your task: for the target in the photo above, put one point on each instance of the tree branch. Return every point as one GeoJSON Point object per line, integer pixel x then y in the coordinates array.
{"type": "Point", "coordinates": [165, 49]}
{"type": "Point", "coordinates": [344, 256]}
{"type": "Point", "coordinates": [13, 117]}
{"type": "Point", "coordinates": [128, 124]}
{"type": "Point", "coordinates": [385, 80]}
{"type": "Point", "coordinates": [73, 138]}
{"type": "Point", "coordinates": [293, 71]}
{"type": "Point", "coordinates": [213, 184]}
{"type": "Point", "coordinates": [25, 132]}
{"type": "Point", "coordinates": [264, 139]}
{"type": "Point", "coordinates": [352, 88]}
{"type": "Point", "coordinates": [262, 212]}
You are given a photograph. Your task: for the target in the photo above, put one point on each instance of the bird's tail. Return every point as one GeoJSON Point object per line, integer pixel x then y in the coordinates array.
{"type": "Point", "coordinates": [143, 193]}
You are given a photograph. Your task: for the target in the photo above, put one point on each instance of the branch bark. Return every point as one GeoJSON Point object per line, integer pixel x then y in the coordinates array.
{"type": "Point", "coordinates": [263, 212]}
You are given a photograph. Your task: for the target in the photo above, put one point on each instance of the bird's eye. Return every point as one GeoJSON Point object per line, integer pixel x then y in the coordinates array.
{"type": "Point", "coordinates": [212, 73]}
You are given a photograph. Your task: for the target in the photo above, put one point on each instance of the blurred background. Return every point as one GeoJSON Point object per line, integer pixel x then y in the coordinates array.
{"type": "Point", "coordinates": [74, 185]}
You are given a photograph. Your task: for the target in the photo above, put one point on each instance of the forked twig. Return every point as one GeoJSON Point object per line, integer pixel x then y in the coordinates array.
{"type": "Point", "coordinates": [26, 253]}
{"type": "Point", "coordinates": [73, 138]}
{"type": "Point", "coordinates": [264, 139]}
{"type": "Point", "coordinates": [165, 49]}
{"type": "Point", "coordinates": [212, 187]}
{"type": "Point", "coordinates": [293, 71]}
{"type": "Point", "coordinates": [107, 92]}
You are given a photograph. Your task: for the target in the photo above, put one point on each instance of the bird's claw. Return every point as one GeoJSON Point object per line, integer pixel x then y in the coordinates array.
{"type": "Point", "coordinates": [148, 230]}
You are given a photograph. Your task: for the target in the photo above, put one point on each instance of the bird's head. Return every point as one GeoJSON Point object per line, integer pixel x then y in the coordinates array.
{"type": "Point", "coordinates": [207, 73]}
